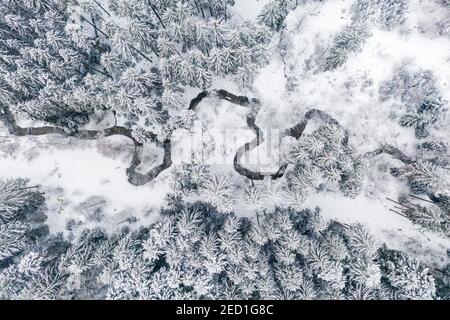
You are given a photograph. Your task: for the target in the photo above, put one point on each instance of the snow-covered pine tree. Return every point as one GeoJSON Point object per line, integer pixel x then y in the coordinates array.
{"type": "Point", "coordinates": [405, 278]}
{"type": "Point", "coordinates": [189, 178]}
{"type": "Point", "coordinates": [219, 193]}
{"type": "Point", "coordinates": [275, 11]}
{"type": "Point", "coordinates": [253, 197]}
{"type": "Point", "coordinates": [166, 47]}
{"type": "Point", "coordinates": [217, 62]}
{"type": "Point", "coordinates": [28, 279]}
{"type": "Point", "coordinates": [245, 75]}
{"type": "Point", "coordinates": [271, 15]}
{"type": "Point", "coordinates": [347, 41]}
{"type": "Point", "coordinates": [432, 218]}
{"type": "Point", "coordinates": [426, 177]}
{"type": "Point", "coordinates": [18, 205]}
{"type": "Point", "coordinates": [423, 117]}
{"type": "Point", "coordinates": [364, 270]}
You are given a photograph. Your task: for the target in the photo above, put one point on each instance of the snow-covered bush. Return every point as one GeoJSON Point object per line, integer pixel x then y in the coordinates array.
{"type": "Point", "coordinates": [218, 191]}
{"type": "Point", "coordinates": [427, 180]}
{"type": "Point", "coordinates": [188, 178]}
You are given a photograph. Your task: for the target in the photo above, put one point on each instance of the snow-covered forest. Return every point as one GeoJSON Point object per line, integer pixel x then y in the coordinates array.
{"type": "Point", "coordinates": [225, 149]}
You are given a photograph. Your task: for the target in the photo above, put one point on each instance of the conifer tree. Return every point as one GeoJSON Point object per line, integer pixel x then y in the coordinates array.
{"type": "Point", "coordinates": [18, 206]}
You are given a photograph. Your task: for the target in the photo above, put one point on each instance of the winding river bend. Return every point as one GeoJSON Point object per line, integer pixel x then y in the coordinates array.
{"type": "Point", "coordinates": [138, 179]}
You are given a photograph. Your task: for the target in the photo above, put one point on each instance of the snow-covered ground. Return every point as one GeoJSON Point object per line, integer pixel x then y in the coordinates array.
{"type": "Point", "coordinates": [83, 180]}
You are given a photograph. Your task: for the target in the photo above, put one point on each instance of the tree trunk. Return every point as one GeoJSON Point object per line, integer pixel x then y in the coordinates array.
{"type": "Point", "coordinates": [140, 53]}
{"type": "Point", "coordinates": [93, 25]}
{"type": "Point", "coordinates": [95, 29]}
{"type": "Point", "coordinates": [156, 13]}
{"type": "Point", "coordinates": [25, 188]}
{"type": "Point", "coordinates": [198, 9]}
{"type": "Point", "coordinates": [102, 72]}
{"type": "Point", "coordinates": [102, 8]}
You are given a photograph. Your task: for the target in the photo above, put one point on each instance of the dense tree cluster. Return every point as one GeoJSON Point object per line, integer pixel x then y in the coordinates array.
{"type": "Point", "coordinates": [149, 51]}
{"type": "Point", "coordinates": [40, 67]}
{"type": "Point", "coordinates": [191, 40]}
{"type": "Point", "coordinates": [195, 252]}
{"type": "Point", "coordinates": [193, 182]}
{"type": "Point", "coordinates": [213, 50]}
{"type": "Point", "coordinates": [420, 99]}
{"type": "Point", "coordinates": [325, 155]}
{"type": "Point", "coordinates": [61, 61]}
{"type": "Point", "coordinates": [419, 105]}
